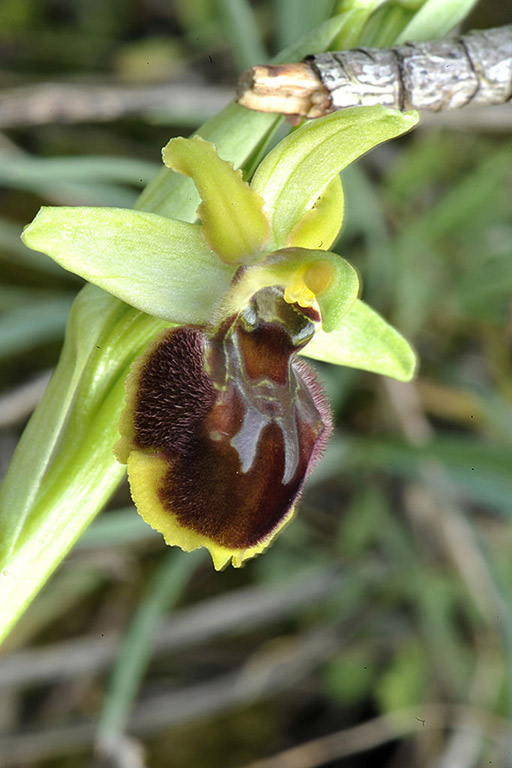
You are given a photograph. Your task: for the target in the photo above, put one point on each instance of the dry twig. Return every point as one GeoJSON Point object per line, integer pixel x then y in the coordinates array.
{"type": "Point", "coordinates": [443, 74]}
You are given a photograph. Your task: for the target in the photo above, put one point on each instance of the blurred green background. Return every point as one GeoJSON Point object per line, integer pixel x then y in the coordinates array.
{"type": "Point", "coordinates": [377, 631]}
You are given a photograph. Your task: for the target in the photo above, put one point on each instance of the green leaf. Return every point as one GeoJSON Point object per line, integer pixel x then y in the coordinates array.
{"type": "Point", "coordinates": [234, 224]}
{"type": "Point", "coordinates": [316, 41]}
{"type": "Point", "coordinates": [159, 266]}
{"type": "Point", "coordinates": [48, 496]}
{"type": "Point", "coordinates": [32, 456]}
{"type": "Point", "coordinates": [294, 17]}
{"type": "Point", "coordinates": [385, 25]}
{"type": "Point", "coordinates": [435, 19]}
{"type": "Point", "coordinates": [357, 14]}
{"type": "Point", "coordinates": [365, 340]}
{"type": "Point", "coordinates": [292, 176]}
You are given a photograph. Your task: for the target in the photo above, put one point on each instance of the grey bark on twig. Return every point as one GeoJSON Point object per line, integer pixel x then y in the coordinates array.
{"type": "Point", "coordinates": [442, 74]}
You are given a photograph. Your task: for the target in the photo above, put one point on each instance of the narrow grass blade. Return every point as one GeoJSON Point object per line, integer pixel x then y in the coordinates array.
{"type": "Point", "coordinates": [164, 591]}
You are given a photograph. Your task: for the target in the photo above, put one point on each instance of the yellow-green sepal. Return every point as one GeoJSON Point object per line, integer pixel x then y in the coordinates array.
{"type": "Point", "coordinates": [365, 340]}
{"type": "Point", "coordinates": [234, 223]}
{"type": "Point", "coordinates": [158, 265]}
{"type": "Point", "coordinates": [294, 174]}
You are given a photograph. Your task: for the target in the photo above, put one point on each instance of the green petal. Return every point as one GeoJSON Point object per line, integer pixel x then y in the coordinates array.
{"type": "Point", "coordinates": [234, 223]}
{"type": "Point", "coordinates": [160, 266]}
{"type": "Point", "coordinates": [321, 225]}
{"type": "Point", "coordinates": [292, 176]}
{"type": "Point", "coordinates": [365, 340]}
{"type": "Point", "coordinates": [318, 276]}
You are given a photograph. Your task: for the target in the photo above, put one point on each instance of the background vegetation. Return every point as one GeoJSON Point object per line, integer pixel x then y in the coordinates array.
{"type": "Point", "coordinates": [377, 631]}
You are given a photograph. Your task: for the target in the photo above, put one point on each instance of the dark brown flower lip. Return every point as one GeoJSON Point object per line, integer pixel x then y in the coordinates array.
{"type": "Point", "coordinates": [235, 420]}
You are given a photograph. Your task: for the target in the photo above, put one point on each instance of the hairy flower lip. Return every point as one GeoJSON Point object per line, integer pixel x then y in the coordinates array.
{"type": "Point", "coordinates": [229, 418]}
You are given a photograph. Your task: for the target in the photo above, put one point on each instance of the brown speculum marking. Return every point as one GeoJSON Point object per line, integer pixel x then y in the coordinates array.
{"type": "Point", "coordinates": [238, 418]}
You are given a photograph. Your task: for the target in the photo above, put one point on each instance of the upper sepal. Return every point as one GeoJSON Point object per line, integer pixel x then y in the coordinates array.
{"type": "Point", "coordinates": [234, 223]}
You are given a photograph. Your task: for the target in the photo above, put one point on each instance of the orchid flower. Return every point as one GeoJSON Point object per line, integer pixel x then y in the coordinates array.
{"type": "Point", "coordinates": [224, 419]}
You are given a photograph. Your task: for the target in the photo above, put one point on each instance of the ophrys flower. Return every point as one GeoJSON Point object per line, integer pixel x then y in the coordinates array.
{"type": "Point", "coordinates": [223, 421]}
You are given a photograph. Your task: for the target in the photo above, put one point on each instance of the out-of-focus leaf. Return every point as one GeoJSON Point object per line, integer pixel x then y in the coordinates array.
{"type": "Point", "coordinates": [242, 31]}
{"type": "Point", "coordinates": [435, 19]}
{"type": "Point", "coordinates": [17, 297]}
{"type": "Point", "coordinates": [404, 682]}
{"type": "Point", "coordinates": [20, 171]}
{"type": "Point", "coordinates": [479, 290]}
{"type": "Point", "coordinates": [480, 470]}
{"type": "Point", "coordinates": [385, 25]}
{"type": "Point", "coordinates": [23, 328]}
{"type": "Point", "coordinates": [86, 181]}
{"type": "Point", "coordinates": [351, 677]}
{"type": "Point", "coordinates": [294, 18]}
{"type": "Point", "coordinates": [115, 528]}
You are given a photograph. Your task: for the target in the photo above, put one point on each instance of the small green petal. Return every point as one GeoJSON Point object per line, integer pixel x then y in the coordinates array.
{"type": "Point", "coordinates": [158, 265]}
{"type": "Point", "coordinates": [365, 340]}
{"type": "Point", "coordinates": [292, 176]}
{"type": "Point", "coordinates": [234, 223]}
{"type": "Point", "coordinates": [321, 225]}
{"type": "Point", "coordinates": [307, 276]}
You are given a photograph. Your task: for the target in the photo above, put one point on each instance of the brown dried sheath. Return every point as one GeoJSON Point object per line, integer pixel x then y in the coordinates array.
{"type": "Point", "coordinates": [442, 74]}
